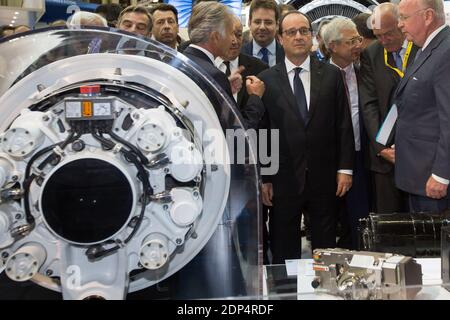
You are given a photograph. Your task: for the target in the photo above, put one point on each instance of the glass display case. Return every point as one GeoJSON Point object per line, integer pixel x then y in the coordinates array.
{"type": "Point", "coordinates": [118, 178]}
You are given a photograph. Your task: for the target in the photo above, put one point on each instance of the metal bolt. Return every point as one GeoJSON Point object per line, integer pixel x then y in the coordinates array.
{"type": "Point", "coordinates": [5, 255]}
{"type": "Point", "coordinates": [166, 170]}
{"type": "Point", "coordinates": [116, 129]}
{"type": "Point", "coordinates": [195, 194]}
{"type": "Point", "coordinates": [45, 118]}
{"type": "Point", "coordinates": [18, 216]}
{"type": "Point", "coordinates": [178, 241]}
{"type": "Point", "coordinates": [15, 178]}
{"type": "Point", "coordinates": [136, 116]}
{"type": "Point", "coordinates": [165, 207]}
{"type": "Point", "coordinates": [49, 272]}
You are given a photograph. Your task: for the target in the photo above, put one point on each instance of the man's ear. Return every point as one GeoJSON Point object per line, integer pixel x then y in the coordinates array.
{"type": "Point", "coordinates": [331, 47]}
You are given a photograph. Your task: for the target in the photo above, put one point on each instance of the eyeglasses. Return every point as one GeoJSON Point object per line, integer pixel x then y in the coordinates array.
{"type": "Point", "coordinates": [353, 41]}
{"type": "Point", "coordinates": [404, 18]}
{"type": "Point", "coordinates": [292, 32]}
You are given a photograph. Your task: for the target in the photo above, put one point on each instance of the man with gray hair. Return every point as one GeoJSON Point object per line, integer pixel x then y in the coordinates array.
{"type": "Point", "coordinates": [343, 43]}
{"type": "Point", "coordinates": [211, 31]}
{"type": "Point", "coordinates": [383, 64]}
{"type": "Point", "coordinates": [85, 18]}
{"type": "Point", "coordinates": [422, 141]}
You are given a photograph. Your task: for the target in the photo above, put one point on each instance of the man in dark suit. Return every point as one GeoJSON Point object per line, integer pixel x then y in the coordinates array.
{"type": "Point", "coordinates": [380, 74]}
{"type": "Point", "coordinates": [165, 24]}
{"type": "Point", "coordinates": [211, 33]}
{"type": "Point", "coordinates": [305, 101]}
{"type": "Point", "coordinates": [233, 60]}
{"type": "Point", "coordinates": [422, 166]}
{"type": "Point", "coordinates": [343, 43]}
{"type": "Point", "coordinates": [263, 21]}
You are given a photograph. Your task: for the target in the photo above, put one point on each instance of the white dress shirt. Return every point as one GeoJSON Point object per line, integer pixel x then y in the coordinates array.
{"type": "Point", "coordinates": [305, 76]}
{"type": "Point", "coordinates": [352, 85]}
{"type": "Point", "coordinates": [272, 52]}
{"type": "Point", "coordinates": [234, 64]}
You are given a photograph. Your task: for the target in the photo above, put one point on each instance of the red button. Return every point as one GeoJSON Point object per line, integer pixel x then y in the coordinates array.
{"type": "Point", "coordinates": [90, 89]}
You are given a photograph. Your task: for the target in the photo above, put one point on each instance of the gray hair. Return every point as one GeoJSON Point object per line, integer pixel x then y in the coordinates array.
{"type": "Point", "coordinates": [333, 30]}
{"type": "Point", "coordinates": [206, 18]}
{"type": "Point", "coordinates": [437, 6]}
{"type": "Point", "coordinates": [85, 18]}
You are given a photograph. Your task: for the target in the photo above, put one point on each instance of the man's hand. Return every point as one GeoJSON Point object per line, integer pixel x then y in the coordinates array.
{"type": "Point", "coordinates": [235, 79]}
{"type": "Point", "coordinates": [388, 154]}
{"type": "Point", "coordinates": [344, 183]}
{"type": "Point", "coordinates": [255, 86]}
{"type": "Point", "coordinates": [267, 194]}
{"type": "Point", "coordinates": [434, 189]}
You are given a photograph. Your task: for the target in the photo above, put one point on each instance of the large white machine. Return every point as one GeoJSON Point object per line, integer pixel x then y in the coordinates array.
{"type": "Point", "coordinates": [114, 168]}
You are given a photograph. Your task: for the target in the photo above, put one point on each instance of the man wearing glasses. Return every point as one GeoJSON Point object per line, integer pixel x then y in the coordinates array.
{"type": "Point", "coordinates": [383, 64]}
{"type": "Point", "coordinates": [343, 42]}
{"type": "Point", "coordinates": [422, 142]}
{"type": "Point", "coordinates": [305, 100]}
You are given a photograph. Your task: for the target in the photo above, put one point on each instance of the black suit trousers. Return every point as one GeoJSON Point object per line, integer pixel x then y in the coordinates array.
{"type": "Point", "coordinates": [284, 223]}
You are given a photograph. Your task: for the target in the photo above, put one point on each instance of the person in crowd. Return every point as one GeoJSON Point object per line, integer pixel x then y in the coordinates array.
{"type": "Point", "coordinates": [382, 66]}
{"type": "Point", "coordinates": [305, 100]}
{"type": "Point", "coordinates": [137, 20]}
{"type": "Point", "coordinates": [422, 153]}
{"type": "Point", "coordinates": [343, 42]}
{"type": "Point", "coordinates": [211, 33]}
{"type": "Point", "coordinates": [21, 28]}
{"type": "Point", "coordinates": [263, 21]}
{"type": "Point", "coordinates": [285, 8]}
{"type": "Point", "coordinates": [165, 24]}
{"type": "Point", "coordinates": [6, 31]}
{"type": "Point", "coordinates": [362, 22]}
{"type": "Point", "coordinates": [110, 12]}
{"type": "Point", "coordinates": [85, 18]}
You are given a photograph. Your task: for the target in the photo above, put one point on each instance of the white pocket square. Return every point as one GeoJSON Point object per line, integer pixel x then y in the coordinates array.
{"type": "Point", "coordinates": [414, 78]}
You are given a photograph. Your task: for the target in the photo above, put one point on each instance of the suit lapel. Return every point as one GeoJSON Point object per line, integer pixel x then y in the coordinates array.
{"type": "Point", "coordinates": [316, 79]}
{"type": "Point", "coordinates": [242, 61]}
{"type": "Point", "coordinates": [422, 58]}
{"type": "Point", "coordinates": [287, 90]}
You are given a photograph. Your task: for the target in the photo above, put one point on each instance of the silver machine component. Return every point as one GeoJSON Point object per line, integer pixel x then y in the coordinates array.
{"type": "Point", "coordinates": [115, 172]}
{"type": "Point", "coordinates": [360, 275]}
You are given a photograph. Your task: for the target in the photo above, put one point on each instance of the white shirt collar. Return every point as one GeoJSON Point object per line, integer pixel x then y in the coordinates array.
{"type": "Point", "coordinates": [432, 36]}
{"type": "Point", "coordinates": [348, 69]}
{"type": "Point", "coordinates": [209, 54]}
{"type": "Point", "coordinates": [272, 48]}
{"type": "Point", "coordinates": [233, 63]}
{"type": "Point", "coordinates": [306, 65]}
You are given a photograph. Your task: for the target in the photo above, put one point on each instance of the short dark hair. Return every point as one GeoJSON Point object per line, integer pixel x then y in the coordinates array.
{"type": "Point", "coordinates": [165, 7]}
{"type": "Point", "coordinates": [280, 26]}
{"type": "Point", "coordinates": [137, 9]}
{"type": "Point", "coordinates": [361, 25]}
{"type": "Point", "coordinates": [286, 7]}
{"type": "Point", "coordinates": [265, 4]}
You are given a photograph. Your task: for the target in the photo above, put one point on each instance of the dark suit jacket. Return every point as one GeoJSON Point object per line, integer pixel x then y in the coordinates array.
{"type": "Point", "coordinates": [248, 50]}
{"type": "Point", "coordinates": [254, 109]}
{"type": "Point", "coordinates": [376, 90]}
{"type": "Point", "coordinates": [253, 67]}
{"type": "Point", "coordinates": [324, 145]}
{"type": "Point", "coordinates": [422, 141]}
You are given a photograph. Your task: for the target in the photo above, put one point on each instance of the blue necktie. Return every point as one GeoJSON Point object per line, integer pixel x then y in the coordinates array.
{"type": "Point", "coordinates": [300, 97]}
{"type": "Point", "coordinates": [398, 60]}
{"type": "Point", "coordinates": [265, 55]}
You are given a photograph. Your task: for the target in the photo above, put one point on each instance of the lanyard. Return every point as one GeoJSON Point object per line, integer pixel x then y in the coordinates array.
{"type": "Point", "coordinates": [405, 60]}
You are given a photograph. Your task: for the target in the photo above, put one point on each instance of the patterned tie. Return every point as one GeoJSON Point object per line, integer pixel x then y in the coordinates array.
{"type": "Point", "coordinates": [265, 55]}
{"type": "Point", "coordinates": [228, 70]}
{"type": "Point", "coordinates": [300, 97]}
